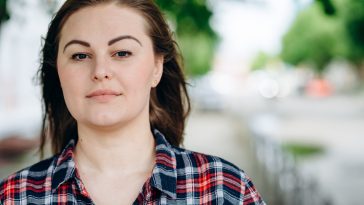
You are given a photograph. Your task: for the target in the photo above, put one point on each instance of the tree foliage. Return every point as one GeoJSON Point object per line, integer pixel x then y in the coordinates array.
{"type": "Point", "coordinates": [352, 12]}
{"type": "Point", "coordinates": [311, 39]}
{"type": "Point", "coordinates": [260, 61]}
{"type": "Point", "coordinates": [328, 6]}
{"type": "Point", "coordinates": [318, 36]}
{"type": "Point", "coordinates": [190, 19]}
{"type": "Point", "coordinates": [189, 16]}
{"type": "Point", "coordinates": [4, 14]}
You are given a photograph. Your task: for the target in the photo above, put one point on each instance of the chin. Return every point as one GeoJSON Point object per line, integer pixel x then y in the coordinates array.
{"type": "Point", "coordinates": [106, 120]}
{"type": "Point", "coordinates": [104, 125]}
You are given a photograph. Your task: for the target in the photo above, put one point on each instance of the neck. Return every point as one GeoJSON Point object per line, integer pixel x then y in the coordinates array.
{"type": "Point", "coordinates": [116, 151]}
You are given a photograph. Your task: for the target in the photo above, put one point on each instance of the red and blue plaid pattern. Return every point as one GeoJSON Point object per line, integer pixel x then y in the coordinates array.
{"type": "Point", "coordinates": [179, 177]}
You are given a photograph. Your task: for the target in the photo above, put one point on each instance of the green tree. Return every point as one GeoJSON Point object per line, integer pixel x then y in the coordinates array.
{"type": "Point", "coordinates": [352, 13]}
{"type": "Point", "coordinates": [190, 18]}
{"type": "Point", "coordinates": [327, 29]}
{"type": "Point", "coordinates": [312, 39]}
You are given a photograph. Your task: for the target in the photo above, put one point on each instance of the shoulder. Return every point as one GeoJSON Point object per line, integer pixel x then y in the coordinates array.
{"type": "Point", "coordinates": [215, 175]}
{"type": "Point", "coordinates": [30, 179]}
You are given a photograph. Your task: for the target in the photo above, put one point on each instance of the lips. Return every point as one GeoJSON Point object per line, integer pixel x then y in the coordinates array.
{"type": "Point", "coordinates": [103, 95]}
{"type": "Point", "coordinates": [103, 92]}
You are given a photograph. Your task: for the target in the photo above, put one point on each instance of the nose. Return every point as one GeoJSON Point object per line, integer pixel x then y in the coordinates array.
{"type": "Point", "coordinates": [101, 71]}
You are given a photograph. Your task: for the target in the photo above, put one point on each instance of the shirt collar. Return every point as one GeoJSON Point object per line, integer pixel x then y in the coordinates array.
{"type": "Point", "coordinates": [164, 176]}
{"type": "Point", "coordinates": [64, 168]}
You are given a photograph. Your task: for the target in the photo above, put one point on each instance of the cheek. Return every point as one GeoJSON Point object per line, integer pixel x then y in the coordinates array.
{"type": "Point", "coordinates": [139, 75]}
{"type": "Point", "coordinates": [137, 85]}
{"type": "Point", "coordinates": [142, 81]}
{"type": "Point", "coordinates": [69, 89]}
{"type": "Point", "coordinates": [147, 67]}
{"type": "Point", "coordinates": [66, 81]}
{"type": "Point", "coordinates": [71, 84]}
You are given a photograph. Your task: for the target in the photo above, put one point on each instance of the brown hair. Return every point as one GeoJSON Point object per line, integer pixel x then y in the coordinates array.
{"type": "Point", "coordinates": [169, 102]}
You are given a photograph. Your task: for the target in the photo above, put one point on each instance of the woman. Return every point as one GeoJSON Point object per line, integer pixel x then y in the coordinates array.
{"type": "Point", "coordinates": [115, 104]}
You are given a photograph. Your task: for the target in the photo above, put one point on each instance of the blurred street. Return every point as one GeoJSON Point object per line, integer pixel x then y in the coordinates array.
{"type": "Point", "coordinates": [252, 132]}
{"type": "Point", "coordinates": [334, 123]}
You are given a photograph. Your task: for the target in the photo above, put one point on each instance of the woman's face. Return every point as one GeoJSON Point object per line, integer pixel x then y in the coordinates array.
{"type": "Point", "coordinates": [107, 66]}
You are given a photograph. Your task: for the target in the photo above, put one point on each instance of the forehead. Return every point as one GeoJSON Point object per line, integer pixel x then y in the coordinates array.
{"type": "Point", "coordinates": [104, 21]}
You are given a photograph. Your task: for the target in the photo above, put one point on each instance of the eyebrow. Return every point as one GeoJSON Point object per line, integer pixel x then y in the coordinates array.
{"type": "Point", "coordinates": [83, 43]}
{"type": "Point", "coordinates": [112, 41]}
{"type": "Point", "coordinates": [122, 38]}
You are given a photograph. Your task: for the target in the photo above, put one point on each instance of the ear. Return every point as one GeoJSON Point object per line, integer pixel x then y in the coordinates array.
{"type": "Point", "coordinates": [158, 70]}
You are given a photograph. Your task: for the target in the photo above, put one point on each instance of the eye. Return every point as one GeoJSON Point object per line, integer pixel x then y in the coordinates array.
{"type": "Point", "coordinates": [122, 54]}
{"type": "Point", "coordinates": [79, 56]}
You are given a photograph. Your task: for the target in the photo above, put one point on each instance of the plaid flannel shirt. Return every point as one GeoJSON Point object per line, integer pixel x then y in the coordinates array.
{"type": "Point", "coordinates": [179, 177]}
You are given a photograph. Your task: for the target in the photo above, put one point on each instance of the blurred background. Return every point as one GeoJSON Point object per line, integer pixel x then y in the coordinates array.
{"type": "Point", "coordinates": [276, 86]}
